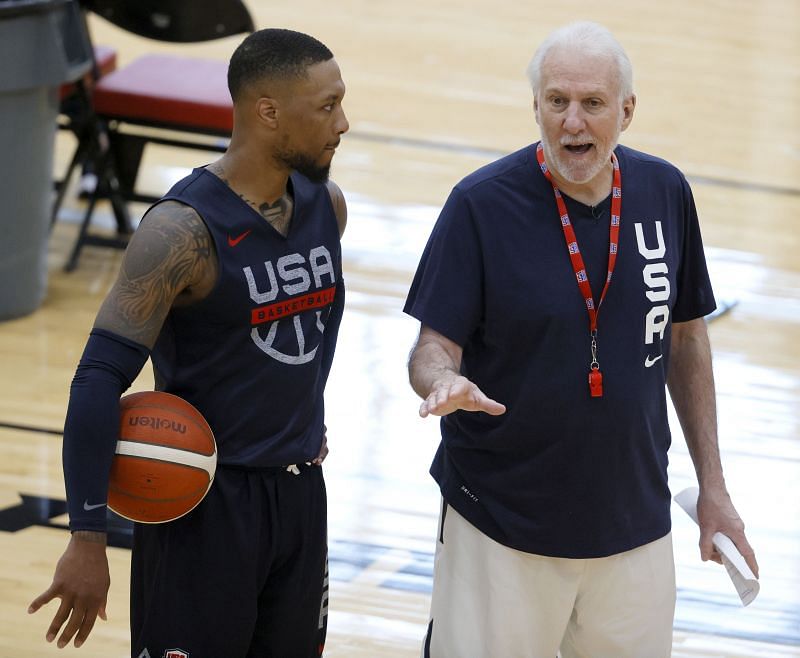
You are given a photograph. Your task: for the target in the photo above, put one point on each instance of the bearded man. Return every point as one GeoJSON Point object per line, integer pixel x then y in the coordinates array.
{"type": "Point", "coordinates": [563, 289]}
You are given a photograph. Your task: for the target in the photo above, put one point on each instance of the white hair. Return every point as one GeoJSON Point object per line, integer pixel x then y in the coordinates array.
{"type": "Point", "coordinates": [590, 38]}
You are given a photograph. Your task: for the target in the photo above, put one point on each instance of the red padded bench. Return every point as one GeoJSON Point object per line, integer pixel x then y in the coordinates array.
{"type": "Point", "coordinates": [154, 92]}
{"type": "Point", "coordinates": [170, 91]}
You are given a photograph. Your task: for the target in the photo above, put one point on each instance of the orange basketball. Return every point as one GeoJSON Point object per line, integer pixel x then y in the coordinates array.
{"type": "Point", "coordinates": [165, 459]}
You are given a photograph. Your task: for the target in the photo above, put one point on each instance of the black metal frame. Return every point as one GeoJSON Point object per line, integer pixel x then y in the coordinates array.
{"type": "Point", "coordinates": [115, 149]}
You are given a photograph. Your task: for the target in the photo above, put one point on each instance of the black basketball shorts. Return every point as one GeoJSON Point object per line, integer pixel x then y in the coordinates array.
{"type": "Point", "coordinates": [243, 575]}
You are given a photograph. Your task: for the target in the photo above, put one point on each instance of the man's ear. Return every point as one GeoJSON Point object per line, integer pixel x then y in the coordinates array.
{"type": "Point", "coordinates": [267, 111]}
{"type": "Point", "coordinates": [536, 109]}
{"type": "Point", "coordinates": [628, 106]}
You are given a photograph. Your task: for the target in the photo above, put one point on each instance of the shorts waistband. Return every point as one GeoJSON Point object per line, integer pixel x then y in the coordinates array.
{"type": "Point", "coordinates": [291, 468]}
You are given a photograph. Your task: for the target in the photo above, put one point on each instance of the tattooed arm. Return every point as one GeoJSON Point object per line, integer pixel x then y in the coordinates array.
{"type": "Point", "coordinates": [170, 261]}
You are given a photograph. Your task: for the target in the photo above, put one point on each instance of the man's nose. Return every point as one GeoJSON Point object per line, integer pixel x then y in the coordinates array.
{"type": "Point", "coordinates": [342, 124]}
{"type": "Point", "coordinates": [574, 120]}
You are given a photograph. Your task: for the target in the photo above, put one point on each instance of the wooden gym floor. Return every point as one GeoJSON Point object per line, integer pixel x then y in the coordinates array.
{"type": "Point", "coordinates": [435, 90]}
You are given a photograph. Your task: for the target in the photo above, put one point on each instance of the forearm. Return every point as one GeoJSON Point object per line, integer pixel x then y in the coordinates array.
{"type": "Point", "coordinates": [108, 366]}
{"type": "Point", "coordinates": [691, 386]}
{"type": "Point", "coordinates": [434, 370]}
{"type": "Point", "coordinates": [429, 364]}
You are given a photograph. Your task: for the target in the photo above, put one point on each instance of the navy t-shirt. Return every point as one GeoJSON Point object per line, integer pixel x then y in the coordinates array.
{"type": "Point", "coordinates": [561, 473]}
{"type": "Point", "coordinates": [254, 355]}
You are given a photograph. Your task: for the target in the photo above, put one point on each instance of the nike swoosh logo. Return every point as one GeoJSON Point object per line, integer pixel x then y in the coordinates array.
{"type": "Point", "coordinates": [89, 507]}
{"type": "Point", "coordinates": [648, 362]}
{"type": "Point", "coordinates": [232, 242]}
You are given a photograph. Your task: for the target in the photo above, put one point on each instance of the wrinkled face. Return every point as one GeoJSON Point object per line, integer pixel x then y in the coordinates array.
{"type": "Point", "coordinates": [580, 112]}
{"type": "Point", "coordinates": [312, 121]}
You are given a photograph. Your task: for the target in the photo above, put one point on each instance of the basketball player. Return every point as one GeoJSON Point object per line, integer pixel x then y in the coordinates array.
{"type": "Point", "coordinates": [232, 284]}
{"type": "Point", "coordinates": [550, 376]}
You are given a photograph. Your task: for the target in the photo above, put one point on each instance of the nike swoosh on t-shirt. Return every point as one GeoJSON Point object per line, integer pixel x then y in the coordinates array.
{"type": "Point", "coordinates": [89, 507]}
{"type": "Point", "coordinates": [648, 362]}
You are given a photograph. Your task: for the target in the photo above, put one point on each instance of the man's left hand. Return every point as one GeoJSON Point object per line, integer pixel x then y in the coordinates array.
{"type": "Point", "coordinates": [716, 513]}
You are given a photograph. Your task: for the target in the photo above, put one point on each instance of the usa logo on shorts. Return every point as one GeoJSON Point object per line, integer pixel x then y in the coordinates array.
{"type": "Point", "coordinates": [175, 653]}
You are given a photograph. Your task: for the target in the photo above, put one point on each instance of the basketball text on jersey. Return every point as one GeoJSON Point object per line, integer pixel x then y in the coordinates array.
{"type": "Point", "coordinates": [655, 275]}
{"type": "Point", "coordinates": [311, 285]}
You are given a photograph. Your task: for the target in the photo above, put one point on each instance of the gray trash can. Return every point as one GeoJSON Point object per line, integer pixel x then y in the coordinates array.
{"type": "Point", "coordinates": [43, 43]}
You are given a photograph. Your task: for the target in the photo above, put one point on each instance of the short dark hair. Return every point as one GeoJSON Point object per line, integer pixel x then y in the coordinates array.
{"type": "Point", "coordinates": [273, 54]}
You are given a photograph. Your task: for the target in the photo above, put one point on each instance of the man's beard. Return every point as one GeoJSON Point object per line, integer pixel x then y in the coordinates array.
{"type": "Point", "coordinates": [579, 173]}
{"type": "Point", "coordinates": [304, 165]}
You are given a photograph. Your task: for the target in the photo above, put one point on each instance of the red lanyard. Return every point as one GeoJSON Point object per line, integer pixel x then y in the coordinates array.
{"type": "Point", "coordinates": [595, 376]}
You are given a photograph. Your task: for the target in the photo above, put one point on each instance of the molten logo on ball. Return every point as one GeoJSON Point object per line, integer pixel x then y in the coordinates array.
{"type": "Point", "coordinates": [157, 423]}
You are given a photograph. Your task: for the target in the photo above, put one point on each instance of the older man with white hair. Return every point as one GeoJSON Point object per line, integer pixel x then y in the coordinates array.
{"type": "Point", "coordinates": [562, 291]}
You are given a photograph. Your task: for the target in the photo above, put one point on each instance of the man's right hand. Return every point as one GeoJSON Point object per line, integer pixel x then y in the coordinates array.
{"type": "Point", "coordinates": [453, 393]}
{"type": "Point", "coordinates": [81, 581]}
{"type": "Point", "coordinates": [434, 367]}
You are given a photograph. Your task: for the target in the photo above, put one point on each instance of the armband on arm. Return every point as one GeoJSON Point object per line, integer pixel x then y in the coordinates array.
{"type": "Point", "coordinates": [106, 370]}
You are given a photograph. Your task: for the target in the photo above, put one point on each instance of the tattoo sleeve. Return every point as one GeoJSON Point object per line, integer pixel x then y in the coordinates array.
{"type": "Point", "coordinates": [169, 252]}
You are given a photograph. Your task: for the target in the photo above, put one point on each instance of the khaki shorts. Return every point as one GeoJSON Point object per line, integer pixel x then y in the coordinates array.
{"type": "Point", "coordinates": [491, 601]}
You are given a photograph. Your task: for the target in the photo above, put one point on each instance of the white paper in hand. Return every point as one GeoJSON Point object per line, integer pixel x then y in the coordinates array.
{"type": "Point", "coordinates": [742, 577]}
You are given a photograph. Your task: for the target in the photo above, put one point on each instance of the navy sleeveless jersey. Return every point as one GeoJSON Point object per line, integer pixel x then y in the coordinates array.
{"type": "Point", "coordinates": [254, 355]}
{"type": "Point", "coordinates": [561, 473]}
